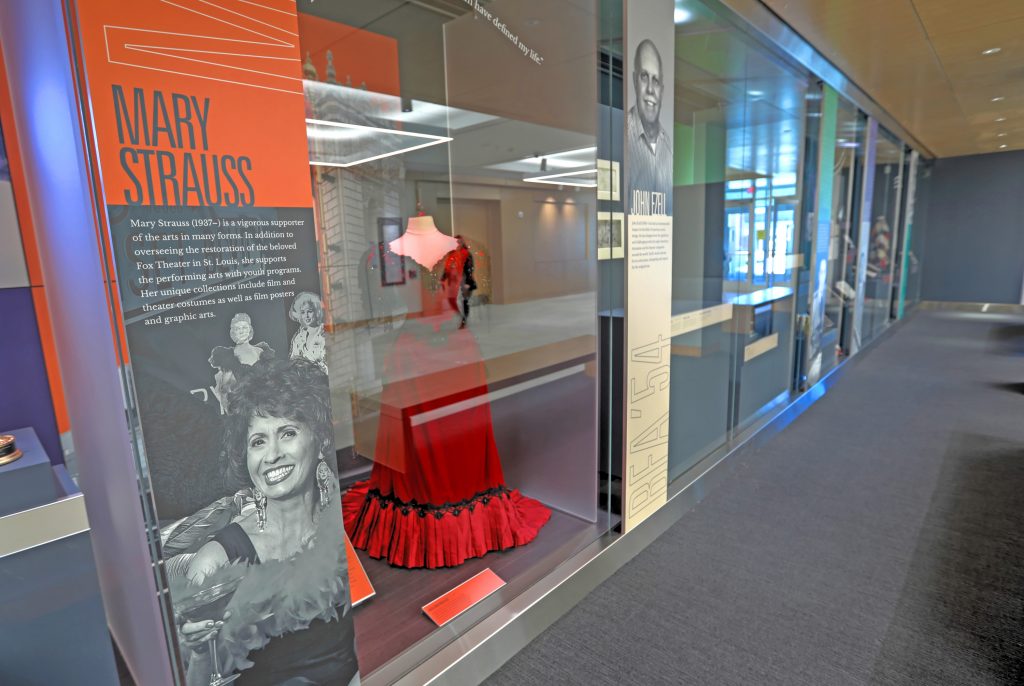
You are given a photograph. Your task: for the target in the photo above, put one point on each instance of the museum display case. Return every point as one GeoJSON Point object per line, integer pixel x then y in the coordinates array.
{"type": "Point", "coordinates": [418, 308]}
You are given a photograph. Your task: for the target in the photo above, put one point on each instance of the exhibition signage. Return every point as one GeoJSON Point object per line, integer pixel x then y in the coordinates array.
{"type": "Point", "coordinates": [650, 55]}
{"type": "Point", "coordinates": [197, 115]}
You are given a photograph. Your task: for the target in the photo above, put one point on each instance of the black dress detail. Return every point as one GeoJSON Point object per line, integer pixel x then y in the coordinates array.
{"type": "Point", "coordinates": [319, 655]}
{"type": "Point", "coordinates": [237, 544]}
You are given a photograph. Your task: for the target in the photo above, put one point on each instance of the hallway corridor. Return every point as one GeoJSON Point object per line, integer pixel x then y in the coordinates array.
{"type": "Point", "coordinates": [876, 540]}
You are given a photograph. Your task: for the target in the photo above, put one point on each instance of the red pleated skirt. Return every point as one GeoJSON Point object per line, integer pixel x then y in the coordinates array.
{"type": "Point", "coordinates": [436, 496]}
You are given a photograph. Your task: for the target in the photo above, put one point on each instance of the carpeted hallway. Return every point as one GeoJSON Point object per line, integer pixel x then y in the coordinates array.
{"type": "Point", "coordinates": [879, 539]}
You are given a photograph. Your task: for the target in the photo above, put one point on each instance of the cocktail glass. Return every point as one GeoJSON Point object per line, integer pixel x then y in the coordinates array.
{"type": "Point", "coordinates": [206, 605]}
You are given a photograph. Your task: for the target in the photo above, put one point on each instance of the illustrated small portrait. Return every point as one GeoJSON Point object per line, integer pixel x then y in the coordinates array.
{"type": "Point", "coordinates": [309, 342]}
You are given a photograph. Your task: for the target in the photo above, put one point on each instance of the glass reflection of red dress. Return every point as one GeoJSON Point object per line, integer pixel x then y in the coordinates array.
{"type": "Point", "coordinates": [437, 496]}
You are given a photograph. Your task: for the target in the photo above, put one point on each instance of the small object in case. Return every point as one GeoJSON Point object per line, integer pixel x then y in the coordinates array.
{"type": "Point", "coordinates": [8, 450]}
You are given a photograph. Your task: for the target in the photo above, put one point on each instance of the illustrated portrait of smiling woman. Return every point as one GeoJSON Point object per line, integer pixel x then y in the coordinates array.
{"type": "Point", "coordinates": [309, 342]}
{"type": "Point", "coordinates": [280, 560]}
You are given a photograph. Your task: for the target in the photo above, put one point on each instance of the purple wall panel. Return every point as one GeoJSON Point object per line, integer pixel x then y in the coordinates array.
{"type": "Point", "coordinates": [26, 398]}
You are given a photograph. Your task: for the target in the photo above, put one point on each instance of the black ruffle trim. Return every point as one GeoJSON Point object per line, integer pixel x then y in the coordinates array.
{"type": "Point", "coordinates": [438, 511]}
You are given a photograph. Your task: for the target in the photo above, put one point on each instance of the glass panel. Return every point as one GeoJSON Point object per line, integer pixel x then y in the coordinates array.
{"type": "Point", "coordinates": [918, 232]}
{"type": "Point", "coordinates": [885, 216]}
{"type": "Point", "coordinates": [828, 213]}
{"type": "Point", "coordinates": [907, 209]}
{"type": "Point", "coordinates": [739, 121]}
{"type": "Point", "coordinates": [456, 184]}
{"type": "Point", "coordinates": [849, 183]}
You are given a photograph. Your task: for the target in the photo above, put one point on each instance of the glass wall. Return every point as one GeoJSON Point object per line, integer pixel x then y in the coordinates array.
{"type": "Point", "coordinates": [918, 227]}
{"type": "Point", "coordinates": [776, 234]}
{"type": "Point", "coordinates": [459, 227]}
{"type": "Point", "coordinates": [739, 120]}
{"type": "Point", "coordinates": [832, 271]}
{"type": "Point", "coordinates": [886, 208]}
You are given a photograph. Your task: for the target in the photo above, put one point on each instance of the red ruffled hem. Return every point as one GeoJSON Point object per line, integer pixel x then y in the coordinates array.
{"type": "Point", "coordinates": [407, 536]}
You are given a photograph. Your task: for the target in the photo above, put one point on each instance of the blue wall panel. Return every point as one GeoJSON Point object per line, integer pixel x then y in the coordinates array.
{"type": "Point", "coordinates": [25, 400]}
{"type": "Point", "coordinates": [974, 245]}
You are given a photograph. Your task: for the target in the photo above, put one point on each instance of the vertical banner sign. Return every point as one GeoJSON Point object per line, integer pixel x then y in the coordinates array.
{"type": "Point", "coordinates": [198, 116]}
{"type": "Point", "coordinates": [821, 244]}
{"type": "Point", "coordinates": [650, 56]}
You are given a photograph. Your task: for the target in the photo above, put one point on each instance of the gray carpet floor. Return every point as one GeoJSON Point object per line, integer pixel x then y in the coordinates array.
{"type": "Point", "coordinates": [876, 540]}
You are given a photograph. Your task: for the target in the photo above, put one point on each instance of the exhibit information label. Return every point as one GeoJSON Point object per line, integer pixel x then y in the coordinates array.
{"type": "Point", "coordinates": [360, 587]}
{"type": "Point", "coordinates": [198, 116]}
{"type": "Point", "coordinates": [648, 255]}
{"type": "Point", "coordinates": [464, 596]}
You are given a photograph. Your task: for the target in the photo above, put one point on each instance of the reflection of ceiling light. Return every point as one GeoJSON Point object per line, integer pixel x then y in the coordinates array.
{"type": "Point", "coordinates": [1002, 146]}
{"type": "Point", "coordinates": [849, 145]}
{"type": "Point", "coordinates": [755, 94]}
{"type": "Point", "coordinates": [337, 131]}
{"type": "Point", "coordinates": [552, 179]}
{"type": "Point", "coordinates": [998, 98]}
{"type": "Point", "coordinates": [682, 16]}
{"type": "Point", "coordinates": [991, 51]}
{"type": "Point", "coordinates": [1001, 135]}
{"type": "Point", "coordinates": [557, 161]}
{"type": "Point", "coordinates": [1000, 118]}
{"type": "Point", "coordinates": [841, 140]}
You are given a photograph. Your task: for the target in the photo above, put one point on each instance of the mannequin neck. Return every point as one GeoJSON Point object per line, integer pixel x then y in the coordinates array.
{"type": "Point", "coordinates": [423, 242]}
{"type": "Point", "coordinates": [421, 226]}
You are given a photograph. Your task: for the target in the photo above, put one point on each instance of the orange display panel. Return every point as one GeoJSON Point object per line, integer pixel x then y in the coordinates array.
{"type": "Point", "coordinates": [173, 88]}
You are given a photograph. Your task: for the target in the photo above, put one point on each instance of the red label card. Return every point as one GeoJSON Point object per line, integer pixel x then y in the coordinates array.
{"type": "Point", "coordinates": [360, 588]}
{"type": "Point", "coordinates": [462, 597]}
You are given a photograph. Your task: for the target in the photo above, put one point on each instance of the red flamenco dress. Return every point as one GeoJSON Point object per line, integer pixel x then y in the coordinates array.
{"type": "Point", "coordinates": [436, 496]}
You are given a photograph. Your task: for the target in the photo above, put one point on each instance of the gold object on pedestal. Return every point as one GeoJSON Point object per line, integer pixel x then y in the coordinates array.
{"type": "Point", "coordinates": [8, 450]}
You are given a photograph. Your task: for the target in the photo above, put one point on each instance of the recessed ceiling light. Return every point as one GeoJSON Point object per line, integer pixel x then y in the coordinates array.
{"type": "Point", "coordinates": [998, 98]}
{"type": "Point", "coordinates": [991, 51]}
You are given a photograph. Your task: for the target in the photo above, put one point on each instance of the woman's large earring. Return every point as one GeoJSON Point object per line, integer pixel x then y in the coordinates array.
{"type": "Point", "coordinates": [261, 508]}
{"type": "Point", "coordinates": [323, 482]}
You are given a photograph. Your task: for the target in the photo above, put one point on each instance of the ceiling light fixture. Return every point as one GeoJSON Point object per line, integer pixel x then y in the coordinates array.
{"type": "Point", "coordinates": [682, 16]}
{"type": "Point", "coordinates": [548, 178]}
{"type": "Point", "coordinates": [356, 129]}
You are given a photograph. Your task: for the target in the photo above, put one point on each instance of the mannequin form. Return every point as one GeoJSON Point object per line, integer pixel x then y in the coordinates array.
{"type": "Point", "coordinates": [422, 242]}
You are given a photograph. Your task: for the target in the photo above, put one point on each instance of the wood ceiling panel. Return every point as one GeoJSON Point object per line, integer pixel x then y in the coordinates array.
{"type": "Point", "coordinates": [922, 61]}
{"type": "Point", "coordinates": [949, 16]}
